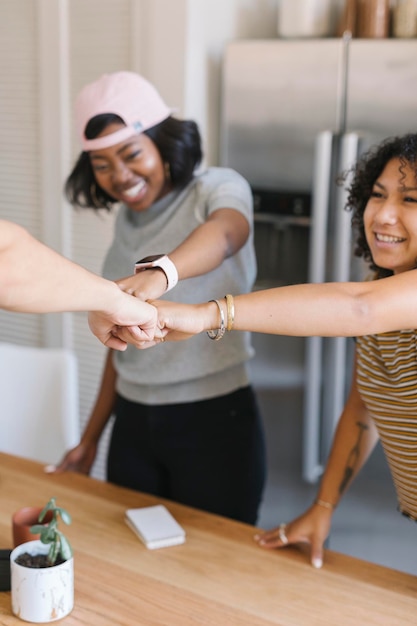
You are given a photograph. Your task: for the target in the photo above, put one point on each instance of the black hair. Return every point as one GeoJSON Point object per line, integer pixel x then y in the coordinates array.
{"type": "Point", "coordinates": [178, 143]}
{"type": "Point", "coordinates": [364, 174]}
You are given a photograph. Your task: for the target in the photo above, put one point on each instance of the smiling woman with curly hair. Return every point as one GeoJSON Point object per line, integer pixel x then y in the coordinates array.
{"type": "Point", "coordinates": [365, 172]}
{"type": "Point", "coordinates": [382, 403]}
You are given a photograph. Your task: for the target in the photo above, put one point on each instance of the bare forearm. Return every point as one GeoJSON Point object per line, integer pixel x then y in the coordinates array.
{"type": "Point", "coordinates": [221, 236]}
{"type": "Point", "coordinates": [333, 309]}
{"type": "Point", "coordinates": [34, 278]}
{"type": "Point", "coordinates": [355, 438]}
{"type": "Point", "coordinates": [349, 453]}
{"type": "Point", "coordinates": [329, 309]}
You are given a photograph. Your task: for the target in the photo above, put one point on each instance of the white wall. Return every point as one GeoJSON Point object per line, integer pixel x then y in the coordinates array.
{"type": "Point", "coordinates": [182, 48]}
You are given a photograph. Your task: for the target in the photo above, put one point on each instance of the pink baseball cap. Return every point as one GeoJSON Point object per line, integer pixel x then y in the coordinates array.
{"type": "Point", "coordinates": [126, 94]}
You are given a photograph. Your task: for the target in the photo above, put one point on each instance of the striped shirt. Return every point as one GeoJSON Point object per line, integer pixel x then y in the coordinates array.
{"type": "Point", "coordinates": [387, 383]}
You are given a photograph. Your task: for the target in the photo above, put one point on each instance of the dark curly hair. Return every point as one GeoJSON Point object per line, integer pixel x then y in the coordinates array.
{"type": "Point", "coordinates": [178, 143]}
{"type": "Point", "coordinates": [364, 174]}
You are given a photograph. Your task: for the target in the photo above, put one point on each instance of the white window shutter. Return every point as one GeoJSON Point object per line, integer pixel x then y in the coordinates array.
{"type": "Point", "coordinates": [100, 40]}
{"type": "Point", "coordinates": [19, 140]}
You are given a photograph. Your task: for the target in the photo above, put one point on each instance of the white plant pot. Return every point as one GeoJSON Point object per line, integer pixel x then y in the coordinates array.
{"type": "Point", "coordinates": [41, 594]}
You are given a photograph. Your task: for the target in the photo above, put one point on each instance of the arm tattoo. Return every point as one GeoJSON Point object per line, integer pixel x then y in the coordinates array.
{"type": "Point", "coordinates": [353, 457]}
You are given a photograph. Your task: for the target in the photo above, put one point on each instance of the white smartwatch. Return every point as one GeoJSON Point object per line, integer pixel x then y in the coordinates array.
{"type": "Point", "coordinates": [164, 263]}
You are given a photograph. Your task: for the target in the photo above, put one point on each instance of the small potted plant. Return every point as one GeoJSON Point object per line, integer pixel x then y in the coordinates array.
{"type": "Point", "coordinates": [42, 571]}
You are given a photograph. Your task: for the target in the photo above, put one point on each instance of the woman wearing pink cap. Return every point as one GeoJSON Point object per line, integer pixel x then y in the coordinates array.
{"type": "Point", "coordinates": [187, 425]}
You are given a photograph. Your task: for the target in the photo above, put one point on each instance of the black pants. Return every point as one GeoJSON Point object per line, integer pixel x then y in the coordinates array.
{"type": "Point", "coordinates": [208, 454]}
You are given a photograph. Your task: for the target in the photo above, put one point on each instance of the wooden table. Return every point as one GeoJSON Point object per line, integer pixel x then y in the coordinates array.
{"type": "Point", "coordinates": [219, 576]}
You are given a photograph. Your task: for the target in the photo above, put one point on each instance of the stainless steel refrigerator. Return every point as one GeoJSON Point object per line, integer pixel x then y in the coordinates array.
{"type": "Point", "coordinates": [296, 113]}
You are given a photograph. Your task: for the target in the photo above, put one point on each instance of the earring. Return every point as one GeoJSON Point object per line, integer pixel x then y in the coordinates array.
{"type": "Point", "coordinates": [167, 170]}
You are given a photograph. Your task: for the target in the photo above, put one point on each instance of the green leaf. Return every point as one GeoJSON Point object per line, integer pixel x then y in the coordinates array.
{"type": "Point", "coordinates": [50, 506]}
{"type": "Point", "coordinates": [36, 529]}
{"type": "Point", "coordinates": [65, 516]}
{"type": "Point", "coordinates": [48, 534]}
{"type": "Point", "coordinates": [66, 551]}
{"type": "Point", "coordinates": [53, 551]}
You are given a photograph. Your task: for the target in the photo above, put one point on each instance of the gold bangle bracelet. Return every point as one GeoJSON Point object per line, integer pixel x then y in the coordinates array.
{"type": "Point", "coordinates": [230, 305]}
{"type": "Point", "coordinates": [326, 505]}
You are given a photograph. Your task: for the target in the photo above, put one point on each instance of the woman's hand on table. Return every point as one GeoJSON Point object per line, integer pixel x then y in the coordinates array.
{"type": "Point", "coordinates": [79, 459]}
{"type": "Point", "coordinates": [312, 527]}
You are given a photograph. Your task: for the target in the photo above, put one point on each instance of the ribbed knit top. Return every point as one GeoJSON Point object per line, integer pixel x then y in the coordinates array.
{"type": "Point", "coordinates": [387, 382]}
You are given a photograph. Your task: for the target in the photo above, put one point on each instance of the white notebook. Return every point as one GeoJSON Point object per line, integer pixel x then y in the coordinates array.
{"type": "Point", "coordinates": [155, 526]}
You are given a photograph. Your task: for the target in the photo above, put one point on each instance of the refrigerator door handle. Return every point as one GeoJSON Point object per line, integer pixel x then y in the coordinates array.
{"type": "Point", "coordinates": [312, 469]}
{"type": "Point", "coordinates": [337, 374]}
{"type": "Point", "coordinates": [349, 151]}
{"type": "Point", "coordinates": [323, 155]}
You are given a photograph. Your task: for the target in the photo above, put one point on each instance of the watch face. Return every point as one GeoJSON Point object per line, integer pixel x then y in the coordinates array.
{"type": "Point", "coordinates": [151, 258]}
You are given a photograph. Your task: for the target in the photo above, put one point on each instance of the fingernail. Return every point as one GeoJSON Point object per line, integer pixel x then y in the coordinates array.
{"type": "Point", "coordinates": [317, 563]}
{"type": "Point", "coordinates": [257, 537]}
{"type": "Point", "coordinates": [49, 469]}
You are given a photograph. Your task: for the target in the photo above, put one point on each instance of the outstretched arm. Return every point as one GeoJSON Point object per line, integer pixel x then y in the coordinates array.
{"type": "Point", "coordinates": [223, 233]}
{"type": "Point", "coordinates": [36, 279]}
{"type": "Point", "coordinates": [327, 309]}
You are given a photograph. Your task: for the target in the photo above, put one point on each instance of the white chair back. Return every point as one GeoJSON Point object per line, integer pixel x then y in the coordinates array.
{"type": "Point", "coordinates": [39, 410]}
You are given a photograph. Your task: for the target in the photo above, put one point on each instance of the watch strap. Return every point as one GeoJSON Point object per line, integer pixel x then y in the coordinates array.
{"type": "Point", "coordinates": [165, 264]}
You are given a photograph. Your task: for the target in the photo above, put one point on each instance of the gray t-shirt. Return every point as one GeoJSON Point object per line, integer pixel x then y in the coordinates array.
{"type": "Point", "coordinates": [198, 368]}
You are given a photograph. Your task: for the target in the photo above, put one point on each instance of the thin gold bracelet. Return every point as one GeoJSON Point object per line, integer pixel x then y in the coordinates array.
{"type": "Point", "coordinates": [217, 333]}
{"type": "Point", "coordinates": [326, 505]}
{"type": "Point", "coordinates": [230, 305]}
